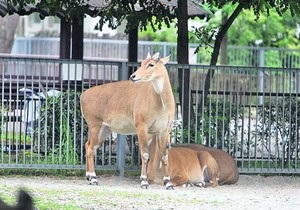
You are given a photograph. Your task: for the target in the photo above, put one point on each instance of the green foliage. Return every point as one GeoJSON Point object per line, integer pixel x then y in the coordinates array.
{"type": "Point", "coordinates": [67, 152]}
{"type": "Point", "coordinates": [136, 16]}
{"type": "Point", "coordinates": [69, 9]}
{"type": "Point", "coordinates": [214, 125]}
{"type": "Point", "coordinates": [15, 137]}
{"type": "Point", "coordinates": [274, 30]}
{"type": "Point", "coordinates": [163, 35]}
{"type": "Point", "coordinates": [43, 172]}
{"type": "Point", "coordinates": [61, 127]}
{"type": "Point", "coordinates": [218, 122]}
{"type": "Point", "coordinates": [212, 35]}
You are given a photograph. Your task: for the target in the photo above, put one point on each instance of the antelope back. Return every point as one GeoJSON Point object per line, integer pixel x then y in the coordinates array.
{"type": "Point", "coordinates": [229, 173]}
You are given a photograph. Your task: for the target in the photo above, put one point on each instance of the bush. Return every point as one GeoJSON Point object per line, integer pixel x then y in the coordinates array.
{"type": "Point", "coordinates": [216, 126]}
{"type": "Point", "coordinates": [61, 127]}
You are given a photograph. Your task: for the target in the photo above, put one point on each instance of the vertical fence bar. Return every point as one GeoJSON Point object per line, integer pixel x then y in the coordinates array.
{"type": "Point", "coordinates": [121, 139]}
{"type": "Point", "coordinates": [277, 155]}
{"type": "Point", "coordinates": [270, 123]}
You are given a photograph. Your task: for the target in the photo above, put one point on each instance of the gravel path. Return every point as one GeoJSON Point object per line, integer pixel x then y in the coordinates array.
{"type": "Point", "coordinates": [251, 192]}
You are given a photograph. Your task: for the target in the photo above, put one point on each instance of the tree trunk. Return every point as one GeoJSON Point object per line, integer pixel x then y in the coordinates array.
{"type": "Point", "coordinates": [8, 27]}
{"type": "Point", "coordinates": [182, 58]}
{"type": "Point", "coordinates": [215, 55]}
{"type": "Point", "coordinates": [224, 43]}
{"type": "Point", "coordinates": [77, 38]}
{"type": "Point", "coordinates": [65, 39]}
{"type": "Point", "coordinates": [216, 49]}
{"type": "Point", "coordinates": [132, 48]}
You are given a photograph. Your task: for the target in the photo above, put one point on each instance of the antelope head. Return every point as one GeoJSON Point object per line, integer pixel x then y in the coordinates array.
{"type": "Point", "coordinates": [152, 68]}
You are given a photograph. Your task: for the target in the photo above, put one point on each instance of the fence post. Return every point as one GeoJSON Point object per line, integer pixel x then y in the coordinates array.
{"type": "Point", "coordinates": [261, 63]}
{"type": "Point", "coordinates": [121, 139]}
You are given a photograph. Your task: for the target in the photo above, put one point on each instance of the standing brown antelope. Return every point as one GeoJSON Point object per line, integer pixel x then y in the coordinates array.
{"type": "Point", "coordinates": [143, 106]}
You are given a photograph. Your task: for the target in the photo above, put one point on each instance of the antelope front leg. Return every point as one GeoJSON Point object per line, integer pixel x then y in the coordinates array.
{"type": "Point", "coordinates": [142, 138]}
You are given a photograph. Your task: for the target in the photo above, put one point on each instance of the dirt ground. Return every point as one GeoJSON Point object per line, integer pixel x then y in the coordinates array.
{"type": "Point", "coordinates": [250, 192]}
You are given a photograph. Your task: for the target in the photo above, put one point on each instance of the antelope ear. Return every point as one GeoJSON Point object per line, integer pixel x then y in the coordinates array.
{"type": "Point", "coordinates": [165, 59]}
{"type": "Point", "coordinates": [155, 56]}
{"type": "Point", "coordinates": [148, 55]}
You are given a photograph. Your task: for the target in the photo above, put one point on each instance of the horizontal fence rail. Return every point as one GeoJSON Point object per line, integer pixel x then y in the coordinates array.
{"type": "Point", "coordinates": [105, 49]}
{"type": "Point", "coordinates": [250, 112]}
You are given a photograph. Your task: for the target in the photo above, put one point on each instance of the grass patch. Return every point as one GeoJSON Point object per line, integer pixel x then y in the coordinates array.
{"type": "Point", "coordinates": [60, 173]}
{"type": "Point", "coordinates": [50, 193]}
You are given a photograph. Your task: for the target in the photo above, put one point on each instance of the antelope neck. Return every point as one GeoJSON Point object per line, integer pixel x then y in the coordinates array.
{"type": "Point", "coordinates": [158, 86]}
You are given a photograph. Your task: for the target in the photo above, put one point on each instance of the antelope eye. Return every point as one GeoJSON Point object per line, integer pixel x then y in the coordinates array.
{"type": "Point", "coordinates": [150, 65]}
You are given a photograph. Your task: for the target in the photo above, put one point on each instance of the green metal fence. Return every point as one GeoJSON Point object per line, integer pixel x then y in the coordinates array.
{"type": "Point", "coordinates": [250, 112]}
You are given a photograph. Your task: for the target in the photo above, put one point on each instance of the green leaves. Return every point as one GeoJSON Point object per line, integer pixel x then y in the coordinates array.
{"type": "Point", "coordinates": [69, 8]}
{"type": "Point", "coordinates": [136, 14]}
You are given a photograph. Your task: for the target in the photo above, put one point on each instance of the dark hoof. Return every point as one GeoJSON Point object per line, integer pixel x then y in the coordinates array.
{"type": "Point", "coordinates": [144, 184]}
{"type": "Point", "coordinates": [145, 187]}
{"type": "Point", "coordinates": [93, 180]}
{"type": "Point", "coordinates": [168, 183]}
{"type": "Point", "coordinates": [170, 187]}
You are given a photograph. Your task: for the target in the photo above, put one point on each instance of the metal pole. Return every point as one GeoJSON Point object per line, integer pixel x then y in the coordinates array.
{"type": "Point", "coordinates": [261, 74]}
{"type": "Point", "coordinates": [121, 139]}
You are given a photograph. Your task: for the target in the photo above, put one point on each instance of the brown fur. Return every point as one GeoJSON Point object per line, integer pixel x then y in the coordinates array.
{"type": "Point", "coordinates": [145, 105]}
{"type": "Point", "coordinates": [229, 173]}
{"type": "Point", "coordinates": [185, 166]}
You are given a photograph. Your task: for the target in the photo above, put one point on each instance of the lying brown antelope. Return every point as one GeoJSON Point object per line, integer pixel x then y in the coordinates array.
{"type": "Point", "coordinates": [229, 173]}
{"type": "Point", "coordinates": [145, 105]}
{"type": "Point", "coordinates": [185, 166]}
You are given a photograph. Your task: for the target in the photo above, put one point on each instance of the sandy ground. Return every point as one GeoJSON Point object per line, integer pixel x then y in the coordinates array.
{"type": "Point", "coordinates": [250, 192]}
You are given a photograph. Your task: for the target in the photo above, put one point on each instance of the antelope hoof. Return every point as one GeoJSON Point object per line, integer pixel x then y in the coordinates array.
{"type": "Point", "coordinates": [187, 185]}
{"type": "Point", "coordinates": [170, 187]}
{"type": "Point", "coordinates": [201, 184]}
{"type": "Point", "coordinates": [92, 180]}
{"type": "Point", "coordinates": [168, 183]}
{"type": "Point", "coordinates": [144, 184]}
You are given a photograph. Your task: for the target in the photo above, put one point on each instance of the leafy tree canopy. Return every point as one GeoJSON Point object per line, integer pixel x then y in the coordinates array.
{"type": "Point", "coordinates": [138, 14]}
{"type": "Point", "coordinates": [67, 8]}
{"type": "Point", "coordinates": [273, 30]}
{"type": "Point", "coordinates": [269, 15]}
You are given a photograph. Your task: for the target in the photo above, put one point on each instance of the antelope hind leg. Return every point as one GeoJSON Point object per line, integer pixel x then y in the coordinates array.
{"type": "Point", "coordinates": [163, 144]}
{"type": "Point", "coordinates": [96, 139]}
{"type": "Point", "coordinates": [208, 179]}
